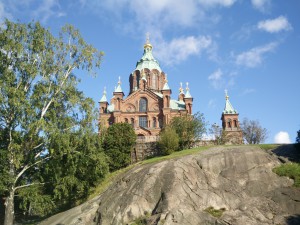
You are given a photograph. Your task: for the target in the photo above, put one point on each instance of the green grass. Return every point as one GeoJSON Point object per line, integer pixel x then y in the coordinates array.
{"type": "Point", "coordinates": [176, 154]}
{"type": "Point", "coordinates": [291, 170]}
{"type": "Point", "coordinates": [215, 212]}
{"type": "Point", "coordinates": [108, 181]}
{"type": "Point", "coordinates": [268, 146]}
{"type": "Point", "coordinates": [112, 176]}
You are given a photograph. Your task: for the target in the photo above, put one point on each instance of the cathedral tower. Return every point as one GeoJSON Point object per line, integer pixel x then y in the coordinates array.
{"type": "Point", "coordinates": [230, 123]}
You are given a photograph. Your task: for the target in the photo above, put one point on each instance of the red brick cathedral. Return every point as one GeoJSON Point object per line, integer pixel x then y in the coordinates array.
{"type": "Point", "coordinates": [149, 105]}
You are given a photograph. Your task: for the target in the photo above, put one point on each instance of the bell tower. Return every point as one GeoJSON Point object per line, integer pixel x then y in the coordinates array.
{"type": "Point", "coordinates": [230, 123]}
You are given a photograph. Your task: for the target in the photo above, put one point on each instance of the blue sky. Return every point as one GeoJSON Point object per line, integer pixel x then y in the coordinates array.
{"type": "Point", "coordinates": [249, 47]}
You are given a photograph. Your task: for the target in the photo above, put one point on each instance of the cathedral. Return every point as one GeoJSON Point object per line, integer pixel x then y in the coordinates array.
{"type": "Point", "coordinates": [148, 106]}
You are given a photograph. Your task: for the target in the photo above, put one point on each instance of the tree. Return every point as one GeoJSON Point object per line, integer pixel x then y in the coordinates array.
{"type": "Point", "coordinates": [118, 143]}
{"type": "Point", "coordinates": [189, 128]}
{"type": "Point", "coordinates": [220, 135]}
{"type": "Point", "coordinates": [298, 137]}
{"type": "Point", "coordinates": [217, 133]}
{"type": "Point", "coordinates": [253, 132]}
{"type": "Point", "coordinates": [39, 102]}
{"type": "Point", "coordinates": [168, 141]}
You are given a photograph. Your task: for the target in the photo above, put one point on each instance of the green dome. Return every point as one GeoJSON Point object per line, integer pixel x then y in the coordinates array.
{"type": "Point", "coordinates": [147, 60]}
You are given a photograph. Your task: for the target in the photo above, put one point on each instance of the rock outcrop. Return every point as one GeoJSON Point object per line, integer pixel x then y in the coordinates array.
{"type": "Point", "coordinates": [235, 180]}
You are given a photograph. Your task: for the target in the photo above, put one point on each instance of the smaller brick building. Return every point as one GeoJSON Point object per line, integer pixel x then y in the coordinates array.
{"type": "Point", "coordinates": [230, 123]}
{"type": "Point", "coordinates": [149, 105]}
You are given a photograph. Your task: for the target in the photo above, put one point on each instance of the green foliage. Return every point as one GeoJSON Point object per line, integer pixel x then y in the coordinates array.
{"type": "Point", "coordinates": [215, 212]}
{"type": "Point", "coordinates": [169, 141]}
{"type": "Point", "coordinates": [41, 110]}
{"type": "Point", "coordinates": [34, 201]}
{"type": "Point", "coordinates": [291, 170]}
{"type": "Point", "coordinates": [77, 172]}
{"type": "Point", "coordinates": [118, 142]}
{"type": "Point", "coordinates": [189, 128]}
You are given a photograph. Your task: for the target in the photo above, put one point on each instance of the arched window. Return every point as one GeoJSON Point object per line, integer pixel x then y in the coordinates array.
{"type": "Point", "coordinates": [143, 105]}
{"type": "Point", "coordinates": [234, 123]}
{"type": "Point", "coordinates": [138, 81]}
{"type": "Point", "coordinates": [160, 122]}
{"type": "Point", "coordinates": [143, 121]}
{"type": "Point", "coordinates": [154, 122]}
{"type": "Point", "coordinates": [229, 123]}
{"type": "Point", "coordinates": [154, 81]}
{"type": "Point", "coordinates": [132, 122]}
{"type": "Point", "coordinates": [126, 120]}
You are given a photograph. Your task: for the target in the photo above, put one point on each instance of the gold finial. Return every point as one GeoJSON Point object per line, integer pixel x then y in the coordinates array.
{"type": "Point", "coordinates": [119, 82]}
{"type": "Point", "coordinates": [187, 86]}
{"type": "Point", "coordinates": [104, 91]}
{"type": "Point", "coordinates": [147, 44]}
{"type": "Point", "coordinates": [181, 89]}
{"type": "Point", "coordinates": [226, 94]}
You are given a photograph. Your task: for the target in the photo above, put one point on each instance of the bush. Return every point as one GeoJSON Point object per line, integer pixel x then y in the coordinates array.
{"type": "Point", "coordinates": [118, 142]}
{"type": "Point", "coordinates": [291, 170]}
{"type": "Point", "coordinates": [189, 128]}
{"type": "Point", "coordinates": [169, 141]}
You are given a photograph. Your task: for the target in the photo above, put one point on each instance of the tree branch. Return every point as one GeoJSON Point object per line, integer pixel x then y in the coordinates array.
{"type": "Point", "coordinates": [27, 185]}
{"type": "Point", "coordinates": [28, 167]}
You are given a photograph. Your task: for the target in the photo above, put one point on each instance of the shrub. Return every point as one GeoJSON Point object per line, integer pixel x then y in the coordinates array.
{"type": "Point", "coordinates": [118, 142]}
{"type": "Point", "coordinates": [291, 170]}
{"type": "Point", "coordinates": [169, 141]}
{"type": "Point", "coordinates": [189, 128]}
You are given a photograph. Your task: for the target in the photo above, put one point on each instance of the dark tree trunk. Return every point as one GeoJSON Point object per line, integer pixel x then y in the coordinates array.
{"type": "Point", "coordinates": [9, 209]}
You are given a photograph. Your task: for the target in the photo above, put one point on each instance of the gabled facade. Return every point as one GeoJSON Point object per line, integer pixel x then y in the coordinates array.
{"type": "Point", "coordinates": [149, 106]}
{"type": "Point", "coordinates": [230, 124]}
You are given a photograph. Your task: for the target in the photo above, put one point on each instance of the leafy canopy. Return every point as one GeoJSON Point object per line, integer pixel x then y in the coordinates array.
{"type": "Point", "coordinates": [189, 128]}
{"type": "Point", "coordinates": [43, 116]}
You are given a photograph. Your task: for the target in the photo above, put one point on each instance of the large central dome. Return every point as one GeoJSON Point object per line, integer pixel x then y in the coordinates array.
{"type": "Point", "coordinates": [147, 60]}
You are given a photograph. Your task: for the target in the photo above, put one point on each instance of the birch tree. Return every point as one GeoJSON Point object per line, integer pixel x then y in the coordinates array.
{"type": "Point", "coordinates": [39, 102]}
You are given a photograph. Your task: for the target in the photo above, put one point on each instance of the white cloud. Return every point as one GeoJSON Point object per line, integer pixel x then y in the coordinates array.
{"type": "Point", "coordinates": [179, 49]}
{"type": "Point", "coordinates": [217, 75]}
{"type": "Point", "coordinates": [282, 137]}
{"type": "Point", "coordinates": [220, 80]}
{"type": "Point", "coordinates": [216, 79]}
{"type": "Point", "coordinates": [48, 9]}
{"type": "Point", "coordinates": [226, 3]}
{"type": "Point", "coordinates": [161, 14]}
{"type": "Point", "coordinates": [41, 10]}
{"type": "Point", "coordinates": [261, 5]}
{"type": "Point", "coordinates": [248, 91]}
{"type": "Point", "coordinates": [276, 25]}
{"type": "Point", "coordinates": [254, 56]}
{"type": "Point", "coordinates": [212, 104]}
